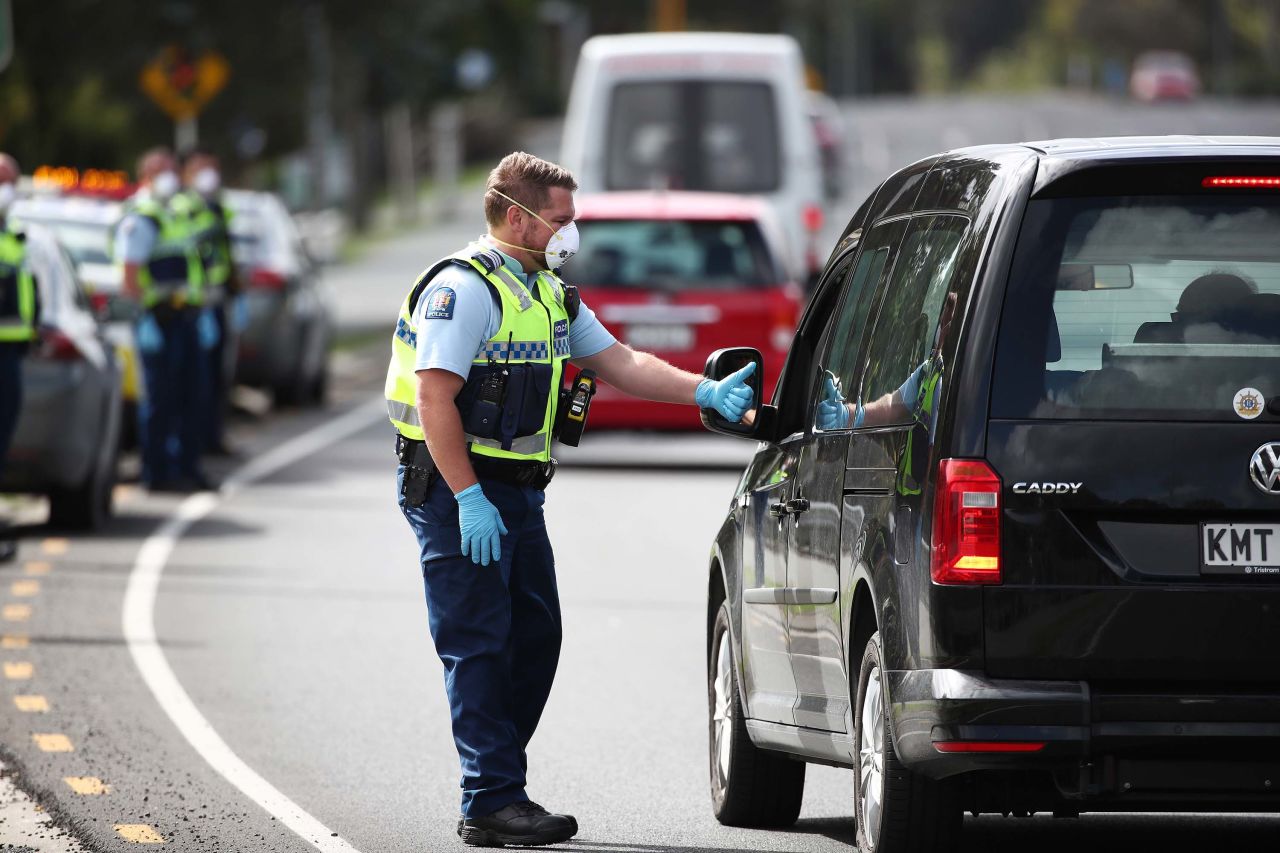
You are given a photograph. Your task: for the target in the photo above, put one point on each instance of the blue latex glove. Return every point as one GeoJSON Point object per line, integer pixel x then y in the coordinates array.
{"type": "Point", "coordinates": [731, 396]}
{"type": "Point", "coordinates": [481, 526]}
{"type": "Point", "coordinates": [207, 330]}
{"type": "Point", "coordinates": [240, 314]}
{"type": "Point", "coordinates": [148, 335]}
{"type": "Point", "coordinates": [832, 411]}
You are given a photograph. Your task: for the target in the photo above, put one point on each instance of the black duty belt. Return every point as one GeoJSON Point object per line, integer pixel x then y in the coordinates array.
{"type": "Point", "coordinates": [534, 475]}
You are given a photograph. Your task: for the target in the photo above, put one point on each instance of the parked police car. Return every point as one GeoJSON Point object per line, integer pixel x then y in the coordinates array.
{"type": "Point", "coordinates": [1011, 539]}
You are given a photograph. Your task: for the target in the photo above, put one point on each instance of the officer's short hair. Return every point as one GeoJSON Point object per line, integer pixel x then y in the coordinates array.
{"type": "Point", "coordinates": [526, 179]}
{"type": "Point", "coordinates": [152, 154]}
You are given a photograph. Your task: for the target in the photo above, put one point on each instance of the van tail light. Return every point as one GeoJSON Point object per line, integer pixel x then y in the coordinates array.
{"type": "Point", "coordinates": [1242, 182]}
{"type": "Point", "coordinates": [812, 217]}
{"type": "Point", "coordinates": [100, 302]}
{"type": "Point", "coordinates": [263, 278]}
{"type": "Point", "coordinates": [966, 523]}
{"type": "Point", "coordinates": [987, 746]}
{"type": "Point", "coordinates": [55, 345]}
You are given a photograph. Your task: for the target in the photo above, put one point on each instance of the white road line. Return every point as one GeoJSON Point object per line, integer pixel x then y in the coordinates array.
{"type": "Point", "coordinates": [140, 629]}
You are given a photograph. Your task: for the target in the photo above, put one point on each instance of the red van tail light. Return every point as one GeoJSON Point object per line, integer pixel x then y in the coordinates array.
{"type": "Point", "coordinates": [966, 523]}
{"type": "Point", "coordinates": [55, 345]}
{"type": "Point", "coordinates": [267, 279]}
{"type": "Point", "coordinates": [812, 217]}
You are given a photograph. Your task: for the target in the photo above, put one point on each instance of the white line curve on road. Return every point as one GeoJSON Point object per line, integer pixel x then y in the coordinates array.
{"type": "Point", "coordinates": [140, 630]}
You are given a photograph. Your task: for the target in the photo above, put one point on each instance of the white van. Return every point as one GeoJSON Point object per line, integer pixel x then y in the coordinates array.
{"type": "Point", "coordinates": [720, 112]}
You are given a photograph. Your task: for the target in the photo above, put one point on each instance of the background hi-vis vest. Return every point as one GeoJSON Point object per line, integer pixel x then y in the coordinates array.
{"type": "Point", "coordinates": [534, 331]}
{"type": "Point", "coordinates": [17, 291]}
{"type": "Point", "coordinates": [209, 224]}
{"type": "Point", "coordinates": [174, 272]}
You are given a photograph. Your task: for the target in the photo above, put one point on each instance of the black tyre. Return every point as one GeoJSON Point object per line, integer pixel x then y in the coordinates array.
{"type": "Point", "coordinates": [897, 811]}
{"type": "Point", "coordinates": [90, 505]}
{"type": "Point", "coordinates": [749, 786]}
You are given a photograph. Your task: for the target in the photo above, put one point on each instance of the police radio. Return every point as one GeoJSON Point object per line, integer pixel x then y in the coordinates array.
{"type": "Point", "coordinates": [575, 406]}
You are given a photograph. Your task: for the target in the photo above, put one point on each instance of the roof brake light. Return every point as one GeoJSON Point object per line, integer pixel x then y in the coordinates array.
{"type": "Point", "coordinates": [1242, 182]}
{"type": "Point", "coordinates": [987, 746]}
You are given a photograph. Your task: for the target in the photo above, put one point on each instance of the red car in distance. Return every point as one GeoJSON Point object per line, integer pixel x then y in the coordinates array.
{"type": "Point", "coordinates": [682, 274]}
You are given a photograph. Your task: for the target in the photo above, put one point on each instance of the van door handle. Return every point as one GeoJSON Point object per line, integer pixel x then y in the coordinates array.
{"type": "Point", "coordinates": [795, 506]}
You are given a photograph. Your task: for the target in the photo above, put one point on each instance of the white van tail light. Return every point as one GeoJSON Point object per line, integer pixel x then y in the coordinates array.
{"type": "Point", "coordinates": [966, 523]}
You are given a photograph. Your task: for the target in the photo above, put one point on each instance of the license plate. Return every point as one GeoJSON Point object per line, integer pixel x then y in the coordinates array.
{"type": "Point", "coordinates": [1240, 549]}
{"type": "Point", "coordinates": [660, 337]}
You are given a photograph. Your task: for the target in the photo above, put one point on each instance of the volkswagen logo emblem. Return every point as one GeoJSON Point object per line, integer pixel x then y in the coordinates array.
{"type": "Point", "coordinates": [1264, 468]}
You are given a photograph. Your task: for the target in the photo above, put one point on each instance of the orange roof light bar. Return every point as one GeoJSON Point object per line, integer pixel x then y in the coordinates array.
{"type": "Point", "coordinates": [1246, 182]}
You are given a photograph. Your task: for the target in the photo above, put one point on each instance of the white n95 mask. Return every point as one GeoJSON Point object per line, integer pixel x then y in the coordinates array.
{"type": "Point", "coordinates": [207, 182]}
{"type": "Point", "coordinates": [563, 244]}
{"type": "Point", "coordinates": [165, 185]}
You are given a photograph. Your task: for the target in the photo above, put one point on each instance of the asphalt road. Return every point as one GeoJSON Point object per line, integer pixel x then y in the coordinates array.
{"type": "Point", "coordinates": [290, 615]}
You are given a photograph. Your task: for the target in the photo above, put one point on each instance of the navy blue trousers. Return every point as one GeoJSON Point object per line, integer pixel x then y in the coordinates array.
{"type": "Point", "coordinates": [170, 417]}
{"type": "Point", "coordinates": [10, 393]}
{"type": "Point", "coordinates": [497, 631]}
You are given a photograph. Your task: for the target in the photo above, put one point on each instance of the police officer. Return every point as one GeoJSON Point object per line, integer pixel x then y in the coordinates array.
{"type": "Point", "coordinates": [478, 357]}
{"type": "Point", "coordinates": [19, 318]}
{"type": "Point", "coordinates": [157, 243]}
{"type": "Point", "coordinates": [202, 200]}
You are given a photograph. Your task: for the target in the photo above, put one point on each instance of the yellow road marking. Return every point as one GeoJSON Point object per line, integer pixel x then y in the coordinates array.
{"type": "Point", "coordinates": [87, 785]}
{"type": "Point", "coordinates": [139, 833]}
{"type": "Point", "coordinates": [31, 704]}
{"type": "Point", "coordinates": [39, 567]}
{"type": "Point", "coordinates": [55, 547]}
{"type": "Point", "coordinates": [25, 589]}
{"type": "Point", "coordinates": [16, 612]}
{"type": "Point", "coordinates": [18, 670]}
{"type": "Point", "coordinates": [53, 743]}
{"type": "Point", "coordinates": [14, 641]}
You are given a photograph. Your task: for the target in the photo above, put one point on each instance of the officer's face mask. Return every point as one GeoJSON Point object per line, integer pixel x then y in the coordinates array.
{"type": "Point", "coordinates": [8, 192]}
{"type": "Point", "coordinates": [165, 185]}
{"type": "Point", "coordinates": [562, 246]}
{"type": "Point", "coordinates": [207, 182]}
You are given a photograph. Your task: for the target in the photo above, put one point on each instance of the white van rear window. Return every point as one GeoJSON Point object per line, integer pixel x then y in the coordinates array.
{"type": "Point", "coordinates": [711, 135]}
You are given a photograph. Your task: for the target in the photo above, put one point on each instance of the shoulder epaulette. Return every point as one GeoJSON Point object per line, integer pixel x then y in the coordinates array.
{"type": "Point", "coordinates": [488, 258]}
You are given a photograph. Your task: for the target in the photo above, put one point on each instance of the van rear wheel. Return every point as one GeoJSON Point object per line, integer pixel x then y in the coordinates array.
{"type": "Point", "coordinates": [749, 786]}
{"type": "Point", "coordinates": [897, 811]}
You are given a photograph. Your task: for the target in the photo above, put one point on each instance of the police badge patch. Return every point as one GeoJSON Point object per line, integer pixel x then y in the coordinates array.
{"type": "Point", "coordinates": [442, 302]}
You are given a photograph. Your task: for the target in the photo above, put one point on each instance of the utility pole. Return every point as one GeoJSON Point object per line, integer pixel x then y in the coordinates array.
{"type": "Point", "coordinates": [319, 101]}
{"type": "Point", "coordinates": [670, 16]}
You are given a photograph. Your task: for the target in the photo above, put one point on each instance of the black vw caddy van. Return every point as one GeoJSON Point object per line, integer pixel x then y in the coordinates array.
{"type": "Point", "coordinates": [1010, 541]}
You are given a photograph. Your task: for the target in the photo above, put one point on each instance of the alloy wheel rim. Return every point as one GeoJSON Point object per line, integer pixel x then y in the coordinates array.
{"type": "Point", "coordinates": [722, 710]}
{"type": "Point", "coordinates": [871, 757]}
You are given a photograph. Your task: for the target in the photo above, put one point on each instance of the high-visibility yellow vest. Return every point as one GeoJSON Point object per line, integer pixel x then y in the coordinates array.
{"type": "Point", "coordinates": [209, 223]}
{"type": "Point", "coordinates": [534, 331]}
{"type": "Point", "coordinates": [174, 273]}
{"type": "Point", "coordinates": [17, 290]}
{"type": "Point", "coordinates": [926, 399]}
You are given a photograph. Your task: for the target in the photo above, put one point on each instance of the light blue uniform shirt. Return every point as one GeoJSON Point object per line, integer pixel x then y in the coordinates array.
{"type": "Point", "coordinates": [135, 238]}
{"type": "Point", "coordinates": [452, 342]}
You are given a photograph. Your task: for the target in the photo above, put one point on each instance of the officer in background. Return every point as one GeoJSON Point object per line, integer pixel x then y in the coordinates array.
{"type": "Point", "coordinates": [19, 320]}
{"type": "Point", "coordinates": [202, 200]}
{"type": "Point", "coordinates": [163, 270]}
{"type": "Point", "coordinates": [478, 358]}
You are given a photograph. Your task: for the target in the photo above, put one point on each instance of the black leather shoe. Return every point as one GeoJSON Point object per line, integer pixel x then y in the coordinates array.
{"type": "Point", "coordinates": [521, 824]}
{"type": "Point", "coordinates": [572, 820]}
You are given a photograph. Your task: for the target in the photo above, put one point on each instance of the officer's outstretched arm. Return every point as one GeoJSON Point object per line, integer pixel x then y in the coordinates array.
{"type": "Point", "coordinates": [130, 282]}
{"type": "Point", "coordinates": [442, 426]}
{"type": "Point", "coordinates": [642, 374]}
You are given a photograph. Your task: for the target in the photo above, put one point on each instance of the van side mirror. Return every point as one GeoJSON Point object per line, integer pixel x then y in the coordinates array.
{"type": "Point", "coordinates": [758, 423]}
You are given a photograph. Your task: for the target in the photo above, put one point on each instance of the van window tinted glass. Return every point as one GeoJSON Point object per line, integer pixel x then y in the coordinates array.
{"type": "Point", "coordinates": [720, 136]}
{"type": "Point", "coordinates": [1139, 308]}
{"type": "Point", "coordinates": [860, 288]}
{"type": "Point", "coordinates": [673, 255]}
{"type": "Point", "coordinates": [907, 322]}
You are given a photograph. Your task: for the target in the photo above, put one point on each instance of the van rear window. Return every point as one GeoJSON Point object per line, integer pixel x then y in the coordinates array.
{"type": "Point", "coordinates": [717, 135]}
{"type": "Point", "coordinates": [1142, 308]}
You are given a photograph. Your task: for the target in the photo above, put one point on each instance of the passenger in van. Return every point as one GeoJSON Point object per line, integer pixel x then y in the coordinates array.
{"type": "Point", "coordinates": [1211, 309]}
{"type": "Point", "coordinates": [916, 398]}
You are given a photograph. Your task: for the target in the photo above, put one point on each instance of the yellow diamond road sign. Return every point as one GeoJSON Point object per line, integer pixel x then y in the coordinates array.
{"type": "Point", "coordinates": [182, 84]}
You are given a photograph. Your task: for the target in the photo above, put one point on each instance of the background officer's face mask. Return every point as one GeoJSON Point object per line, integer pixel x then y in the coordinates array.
{"type": "Point", "coordinates": [207, 181]}
{"type": "Point", "coordinates": [562, 246]}
{"type": "Point", "coordinates": [165, 184]}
